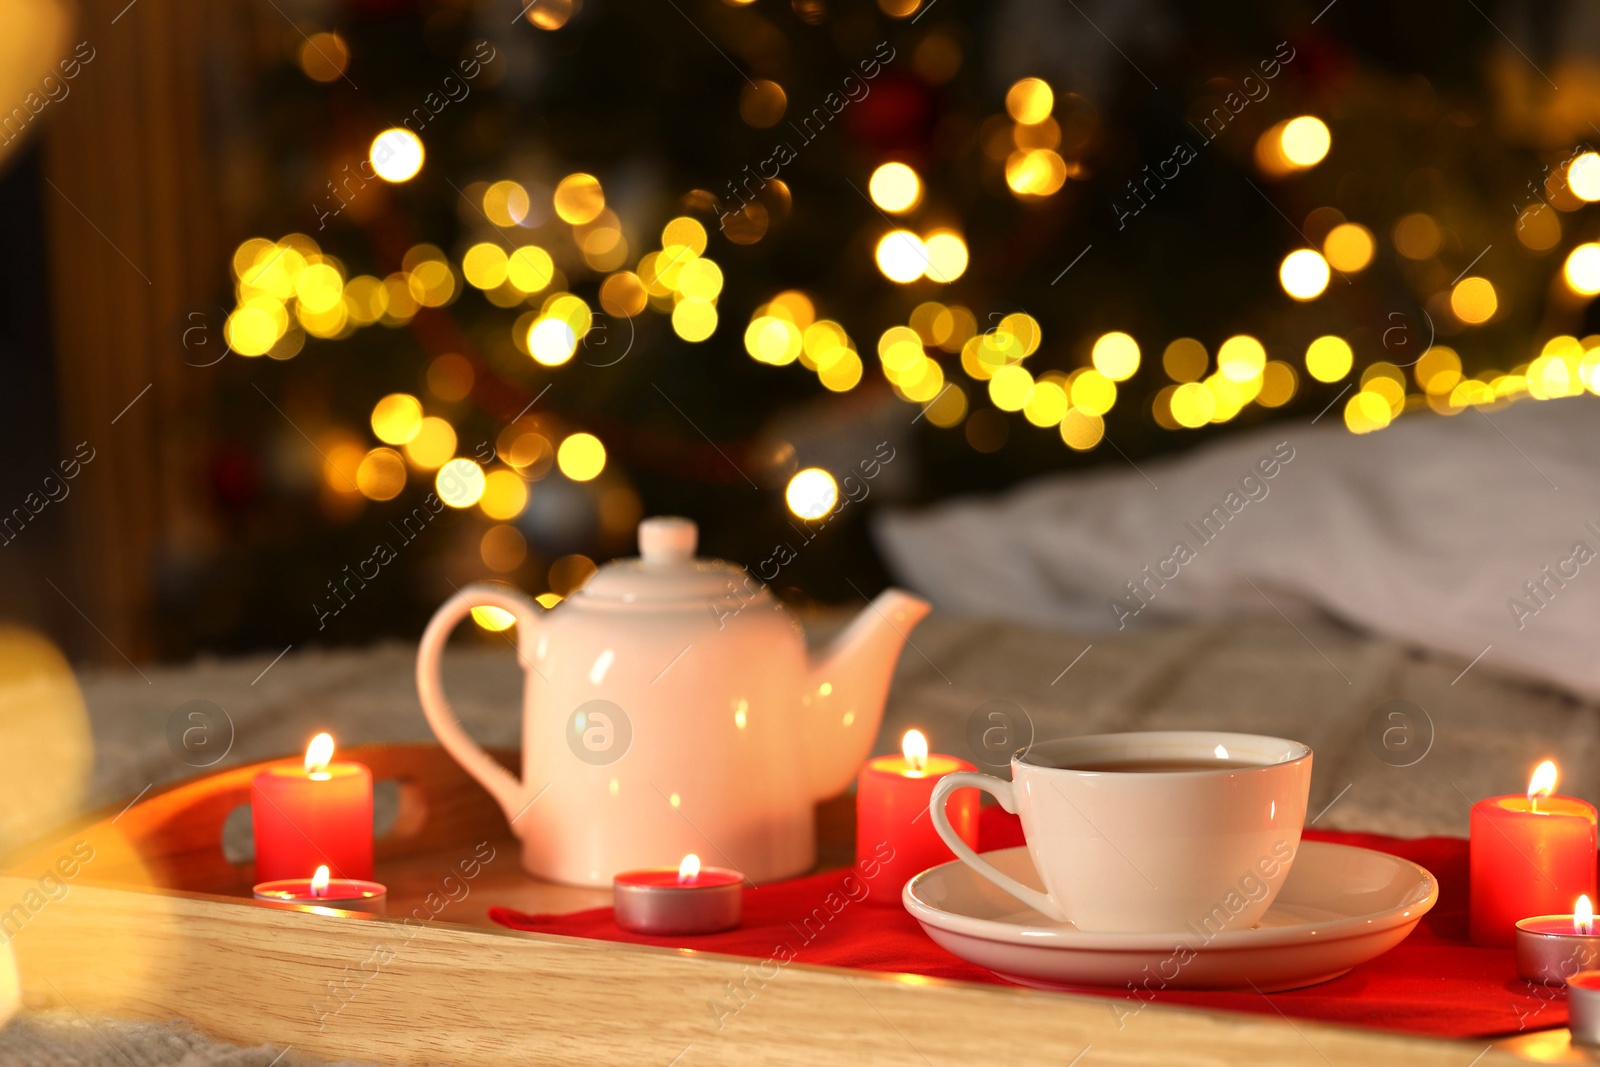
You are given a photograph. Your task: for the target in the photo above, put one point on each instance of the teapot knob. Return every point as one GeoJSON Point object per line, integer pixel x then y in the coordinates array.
{"type": "Point", "coordinates": [667, 539]}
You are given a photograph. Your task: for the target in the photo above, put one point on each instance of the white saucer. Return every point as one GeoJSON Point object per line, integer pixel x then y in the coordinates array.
{"type": "Point", "coordinates": [1340, 906]}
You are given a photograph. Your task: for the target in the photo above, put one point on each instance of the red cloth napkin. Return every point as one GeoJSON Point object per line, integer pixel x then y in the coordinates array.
{"type": "Point", "coordinates": [1436, 982]}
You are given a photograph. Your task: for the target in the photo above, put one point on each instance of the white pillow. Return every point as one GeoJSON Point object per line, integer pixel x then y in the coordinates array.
{"type": "Point", "coordinates": [1463, 533]}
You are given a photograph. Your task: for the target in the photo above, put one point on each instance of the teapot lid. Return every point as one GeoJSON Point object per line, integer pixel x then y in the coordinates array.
{"type": "Point", "coordinates": [666, 568]}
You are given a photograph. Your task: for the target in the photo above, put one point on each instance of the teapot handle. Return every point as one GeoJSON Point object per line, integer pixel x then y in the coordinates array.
{"type": "Point", "coordinates": [506, 788]}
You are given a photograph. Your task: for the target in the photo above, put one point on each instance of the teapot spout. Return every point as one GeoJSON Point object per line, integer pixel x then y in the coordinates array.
{"type": "Point", "coordinates": [842, 705]}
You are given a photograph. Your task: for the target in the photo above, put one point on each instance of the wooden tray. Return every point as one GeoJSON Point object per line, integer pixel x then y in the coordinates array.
{"type": "Point", "coordinates": [137, 913]}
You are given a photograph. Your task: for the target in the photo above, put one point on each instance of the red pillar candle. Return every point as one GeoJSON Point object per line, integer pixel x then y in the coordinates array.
{"type": "Point", "coordinates": [314, 815]}
{"type": "Point", "coordinates": [1530, 855]}
{"type": "Point", "coordinates": [893, 830]}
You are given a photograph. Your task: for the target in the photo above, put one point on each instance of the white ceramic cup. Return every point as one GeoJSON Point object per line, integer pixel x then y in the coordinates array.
{"type": "Point", "coordinates": [1149, 851]}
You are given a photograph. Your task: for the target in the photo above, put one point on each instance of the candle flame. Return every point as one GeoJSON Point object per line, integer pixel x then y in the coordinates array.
{"type": "Point", "coordinates": [1583, 916]}
{"type": "Point", "coordinates": [689, 869]}
{"type": "Point", "coordinates": [319, 753]}
{"type": "Point", "coordinates": [319, 881]}
{"type": "Point", "coordinates": [914, 746]}
{"type": "Point", "coordinates": [1542, 784]}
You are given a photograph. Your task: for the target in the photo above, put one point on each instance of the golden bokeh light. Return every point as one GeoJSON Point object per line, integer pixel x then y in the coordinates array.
{"type": "Point", "coordinates": [1417, 236]}
{"type": "Point", "coordinates": [342, 454]}
{"type": "Point", "coordinates": [1241, 358]}
{"type": "Point", "coordinates": [1010, 388]}
{"type": "Point", "coordinates": [1349, 247]}
{"type": "Point", "coordinates": [398, 304]}
{"type": "Point", "coordinates": [684, 231]}
{"type": "Point", "coordinates": [1305, 141]}
{"type": "Point", "coordinates": [397, 418]}
{"type": "Point", "coordinates": [1329, 358]}
{"type": "Point", "coordinates": [700, 279]}
{"type": "Point", "coordinates": [381, 474]}
{"type": "Point", "coordinates": [252, 329]}
{"type": "Point", "coordinates": [365, 299]}
{"type": "Point", "coordinates": [459, 483]}
{"type": "Point", "coordinates": [1366, 412]}
{"type": "Point", "coordinates": [901, 256]}
{"type": "Point", "coordinates": [1539, 227]}
{"type": "Point", "coordinates": [1473, 300]}
{"type": "Point", "coordinates": [505, 494]}
{"type": "Point", "coordinates": [550, 15]}
{"type": "Point", "coordinates": [747, 225]}
{"type": "Point", "coordinates": [840, 370]}
{"type": "Point", "coordinates": [1193, 405]}
{"type": "Point", "coordinates": [1438, 371]}
{"type": "Point", "coordinates": [581, 457]}
{"type": "Point", "coordinates": [694, 320]}
{"type": "Point", "coordinates": [324, 57]}
{"type": "Point", "coordinates": [1582, 269]}
{"type": "Point", "coordinates": [1185, 360]}
{"type": "Point", "coordinates": [1116, 355]}
{"type": "Point", "coordinates": [503, 548]}
{"type": "Point", "coordinates": [895, 188]}
{"type": "Point", "coordinates": [811, 493]}
{"type": "Point", "coordinates": [396, 155]}
{"type": "Point", "coordinates": [530, 268]}
{"type": "Point", "coordinates": [1304, 274]}
{"type": "Point", "coordinates": [1093, 393]}
{"type": "Point", "coordinates": [1030, 101]}
{"type": "Point", "coordinates": [774, 340]}
{"type": "Point", "coordinates": [579, 199]}
{"type": "Point", "coordinates": [1037, 172]}
{"type": "Point", "coordinates": [484, 265]}
{"type": "Point", "coordinates": [432, 283]}
{"type": "Point", "coordinates": [492, 618]}
{"type": "Point", "coordinates": [551, 341]}
{"type": "Point", "coordinates": [432, 445]}
{"type": "Point", "coordinates": [949, 408]}
{"type": "Point", "coordinates": [47, 756]}
{"type": "Point", "coordinates": [762, 103]}
{"type": "Point", "coordinates": [954, 327]}
{"type": "Point", "coordinates": [1024, 329]}
{"type": "Point", "coordinates": [1081, 430]}
{"type": "Point", "coordinates": [1228, 395]}
{"type": "Point", "coordinates": [506, 203]}
{"type": "Point", "coordinates": [1046, 134]}
{"type": "Point", "coordinates": [1047, 404]}
{"type": "Point", "coordinates": [1278, 384]}
{"type": "Point", "coordinates": [623, 295]}
{"type": "Point", "coordinates": [1583, 177]}
{"type": "Point", "coordinates": [947, 257]}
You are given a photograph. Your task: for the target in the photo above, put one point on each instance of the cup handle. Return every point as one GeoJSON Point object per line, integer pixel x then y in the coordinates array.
{"type": "Point", "coordinates": [506, 788]}
{"type": "Point", "coordinates": [1004, 792]}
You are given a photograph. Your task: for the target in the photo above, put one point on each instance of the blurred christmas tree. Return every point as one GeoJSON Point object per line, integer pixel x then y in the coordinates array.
{"type": "Point", "coordinates": [571, 265]}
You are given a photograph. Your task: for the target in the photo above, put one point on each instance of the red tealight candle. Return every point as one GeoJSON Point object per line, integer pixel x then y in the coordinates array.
{"type": "Point", "coordinates": [322, 891]}
{"type": "Point", "coordinates": [1530, 856]}
{"type": "Point", "coordinates": [689, 900]}
{"type": "Point", "coordinates": [894, 834]}
{"type": "Point", "coordinates": [308, 816]}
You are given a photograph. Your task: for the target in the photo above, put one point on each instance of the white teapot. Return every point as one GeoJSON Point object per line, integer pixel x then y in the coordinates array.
{"type": "Point", "coordinates": [669, 707]}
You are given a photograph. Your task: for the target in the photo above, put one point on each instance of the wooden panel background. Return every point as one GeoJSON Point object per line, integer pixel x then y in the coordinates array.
{"type": "Point", "coordinates": [130, 211]}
